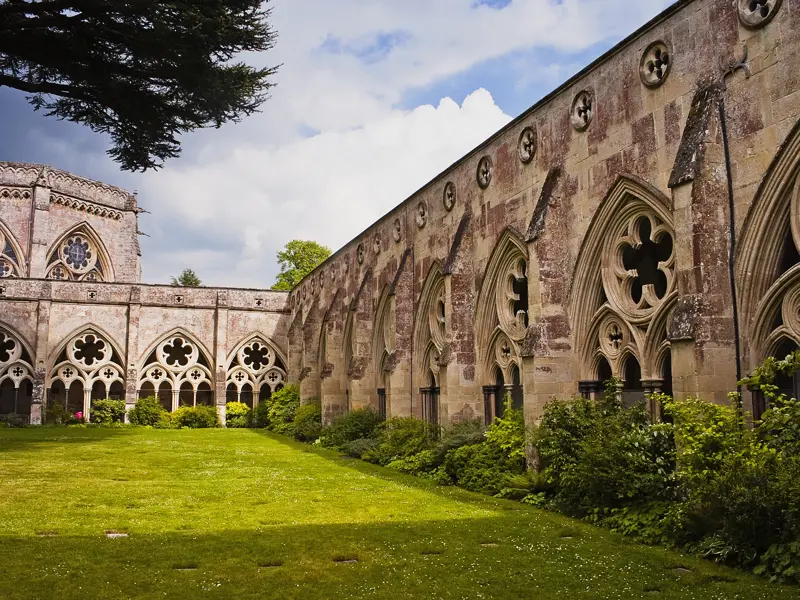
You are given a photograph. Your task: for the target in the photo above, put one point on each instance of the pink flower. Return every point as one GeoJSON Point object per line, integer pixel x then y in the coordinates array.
{"type": "Point", "coordinates": [79, 415]}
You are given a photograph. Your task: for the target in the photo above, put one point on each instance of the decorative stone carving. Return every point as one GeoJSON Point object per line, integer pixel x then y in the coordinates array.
{"type": "Point", "coordinates": [757, 13]}
{"type": "Point", "coordinates": [10, 255]}
{"type": "Point", "coordinates": [656, 64]}
{"type": "Point", "coordinates": [78, 257]}
{"type": "Point", "coordinates": [14, 194]}
{"type": "Point", "coordinates": [582, 110]}
{"type": "Point", "coordinates": [484, 172]}
{"type": "Point", "coordinates": [397, 230]}
{"type": "Point", "coordinates": [84, 206]}
{"type": "Point", "coordinates": [449, 196]}
{"type": "Point", "coordinates": [254, 363]}
{"type": "Point", "coordinates": [422, 214]}
{"type": "Point", "coordinates": [360, 254]}
{"type": "Point", "coordinates": [376, 244]}
{"type": "Point", "coordinates": [15, 363]}
{"type": "Point", "coordinates": [88, 358]}
{"type": "Point", "coordinates": [527, 145]}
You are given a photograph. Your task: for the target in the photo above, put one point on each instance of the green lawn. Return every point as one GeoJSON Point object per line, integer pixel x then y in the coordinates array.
{"type": "Point", "coordinates": [244, 514]}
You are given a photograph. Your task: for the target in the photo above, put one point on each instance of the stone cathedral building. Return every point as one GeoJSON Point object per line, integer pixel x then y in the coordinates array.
{"type": "Point", "coordinates": [641, 221]}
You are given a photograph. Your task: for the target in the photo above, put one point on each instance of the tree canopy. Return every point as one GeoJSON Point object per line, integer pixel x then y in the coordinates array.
{"type": "Point", "coordinates": [187, 278]}
{"type": "Point", "coordinates": [298, 259]}
{"type": "Point", "coordinates": [142, 71]}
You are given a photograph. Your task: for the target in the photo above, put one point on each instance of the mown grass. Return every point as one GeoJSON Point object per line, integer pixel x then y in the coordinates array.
{"type": "Point", "coordinates": [244, 514]}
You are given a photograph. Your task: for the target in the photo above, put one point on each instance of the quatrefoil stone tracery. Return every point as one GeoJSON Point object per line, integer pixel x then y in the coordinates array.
{"type": "Point", "coordinates": [757, 13]}
{"type": "Point", "coordinates": [638, 267]}
{"type": "Point", "coordinates": [484, 173]}
{"type": "Point", "coordinates": [527, 145]}
{"type": "Point", "coordinates": [582, 110]}
{"type": "Point", "coordinates": [656, 64]}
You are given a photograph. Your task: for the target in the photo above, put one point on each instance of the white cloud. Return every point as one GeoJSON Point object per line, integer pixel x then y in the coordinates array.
{"type": "Point", "coordinates": [257, 184]}
{"type": "Point", "coordinates": [326, 188]}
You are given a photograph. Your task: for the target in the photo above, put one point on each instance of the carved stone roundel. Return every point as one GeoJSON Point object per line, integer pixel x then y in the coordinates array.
{"type": "Point", "coordinates": [757, 13]}
{"type": "Point", "coordinates": [360, 254]}
{"type": "Point", "coordinates": [582, 110]}
{"type": "Point", "coordinates": [656, 64]}
{"type": "Point", "coordinates": [484, 173]}
{"type": "Point", "coordinates": [397, 231]}
{"type": "Point", "coordinates": [527, 145]}
{"type": "Point", "coordinates": [422, 215]}
{"type": "Point", "coordinates": [449, 196]}
{"type": "Point", "coordinates": [376, 244]}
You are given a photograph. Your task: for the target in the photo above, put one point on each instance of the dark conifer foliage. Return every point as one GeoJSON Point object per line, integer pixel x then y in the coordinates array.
{"type": "Point", "coordinates": [142, 71]}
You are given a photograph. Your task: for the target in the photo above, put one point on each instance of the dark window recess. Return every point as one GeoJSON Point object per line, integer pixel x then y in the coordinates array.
{"type": "Point", "coordinates": [382, 403]}
{"type": "Point", "coordinates": [520, 289]}
{"type": "Point", "coordinates": [645, 259]}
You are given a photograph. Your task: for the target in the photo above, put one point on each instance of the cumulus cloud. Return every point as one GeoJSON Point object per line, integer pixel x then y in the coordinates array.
{"type": "Point", "coordinates": [327, 187]}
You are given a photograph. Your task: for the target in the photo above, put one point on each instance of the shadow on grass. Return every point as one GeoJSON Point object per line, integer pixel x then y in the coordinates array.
{"type": "Point", "coordinates": [34, 438]}
{"type": "Point", "coordinates": [437, 559]}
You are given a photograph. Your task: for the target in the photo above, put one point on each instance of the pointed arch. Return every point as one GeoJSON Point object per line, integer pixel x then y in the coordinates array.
{"type": "Point", "coordinates": [257, 362]}
{"type": "Point", "coordinates": [767, 263]}
{"type": "Point", "coordinates": [12, 259]}
{"type": "Point", "coordinates": [176, 367]}
{"type": "Point", "coordinates": [623, 286]}
{"type": "Point", "coordinates": [383, 334]}
{"type": "Point", "coordinates": [16, 373]}
{"type": "Point", "coordinates": [429, 320]}
{"type": "Point", "coordinates": [502, 304]}
{"type": "Point", "coordinates": [79, 255]}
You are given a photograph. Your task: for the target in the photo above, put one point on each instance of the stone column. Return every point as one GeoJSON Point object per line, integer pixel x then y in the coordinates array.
{"type": "Point", "coordinates": [653, 386]}
{"type": "Point", "coordinates": [40, 235]}
{"type": "Point", "coordinates": [221, 344]}
{"type": "Point", "coordinates": [40, 359]}
{"type": "Point", "coordinates": [132, 351]}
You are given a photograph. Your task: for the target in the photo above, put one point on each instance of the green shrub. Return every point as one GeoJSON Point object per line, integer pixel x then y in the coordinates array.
{"type": "Point", "coordinates": [107, 411]}
{"type": "Point", "coordinates": [421, 463]}
{"type": "Point", "coordinates": [308, 422]}
{"type": "Point", "coordinates": [481, 468]}
{"type": "Point", "coordinates": [354, 425]}
{"type": "Point", "coordinates": [283, 405]}
{"type": "Point", "coordinates": [508, 432]}
{"type": "Point", "coordinates": [463, 433]}
{"type": "Point", "coordinates": [58, 414]}
{"type": "Point", "coordinates": [360, 448]}
{"type": "Point", "coordinates": [237, 415]}
{"type": "Point", "coordinates": [149, 412]}
{"type": "Point", "coordinates": [400, 438]}
{"type": "Point", "coordinates": [260, 416]}
{"type": "Point", "coordinates": [196, 417]}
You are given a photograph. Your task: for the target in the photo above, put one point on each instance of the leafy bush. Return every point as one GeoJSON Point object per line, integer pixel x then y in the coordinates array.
{"type": "Point", "coordinates": [196, 417]}
{"type": "Point", "coordinates": [508, 432]}
{"type": "Point", "coordinates": [260, 416]}
{"type": "Point", "coordinates": [107, 411]}
{"type": "Point", "coordinates": [357, 424]}
{"type": "Point", "coordinates": [481, 467]}
{"type": "Point", "coordinates": [237, 415]}
{"type": "Point", "coordinates": [308, 422]}
{"type": "Point", "coordinates": [149, 412]}
{"type": "Point", "coordinates": [463, 433]}
{"type": "Point", "coordinates": [283, 405]}
{"type": "Point", "coordinates": [400, 438]}
{"type": "Point", "coordinates": [360, 448]}
{"type": "Point", "coordinates": [421, 463]}
{"type": "Point", "coordinates": [58, 414]}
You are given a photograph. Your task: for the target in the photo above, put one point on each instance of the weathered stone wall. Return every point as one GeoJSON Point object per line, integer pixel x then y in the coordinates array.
{"type": "Point", "coordinates": [718, 64]}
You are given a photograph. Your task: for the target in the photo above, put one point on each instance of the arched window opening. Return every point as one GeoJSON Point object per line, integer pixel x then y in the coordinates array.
{"type": "Point", "coordinates": [99, 391]}
{"type": "Point", "coordinates": [788, 385]}
{"type": "Point", "coordinates": [789, 255]}
{"type": "Point", "coordinates": [666, 375]}
{"type": "Point", "coordinates": [205, 395]}
{"type": "Point", "coordinates": [499, 394]}
{"type": "Point", "coordinates": [116, 391]}
{"type": "Point", "coordinates": [231, 394]}
{"type": "Point", "coordinates": [75, 397]}
{"type": "Point", "coordinates": [147, 390]}
{"type": "Point", "coordinates": [632, 389]}
{"type": "Point", "coordinates": [8, 397]}
{"type": "Point", "coordinates": [517, 393]}
{"type": "Point", "coordinates": [604, 373]}
{"type": "Point", "coordinates": [246, 395]}
{"type": "Point", "coordinates": [519, 286]}
{"type": "Point", "coordinates": [430, 401]}
{"type": "Point", "coordinates": [265, 393]}
{"type": "Point", "coordinates": [186, 394]}
{"type": "Point", "coordinates": [165, 395]}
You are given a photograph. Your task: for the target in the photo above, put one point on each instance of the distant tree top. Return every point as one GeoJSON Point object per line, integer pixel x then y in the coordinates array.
{"type": "Point", "coordinates": [187, 278]}
{"type": "Point", "coordinates": [298, 259]}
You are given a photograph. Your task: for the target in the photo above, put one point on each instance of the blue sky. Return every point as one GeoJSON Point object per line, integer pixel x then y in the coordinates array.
{"type": "Point", "coordinates": [375, 97]}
